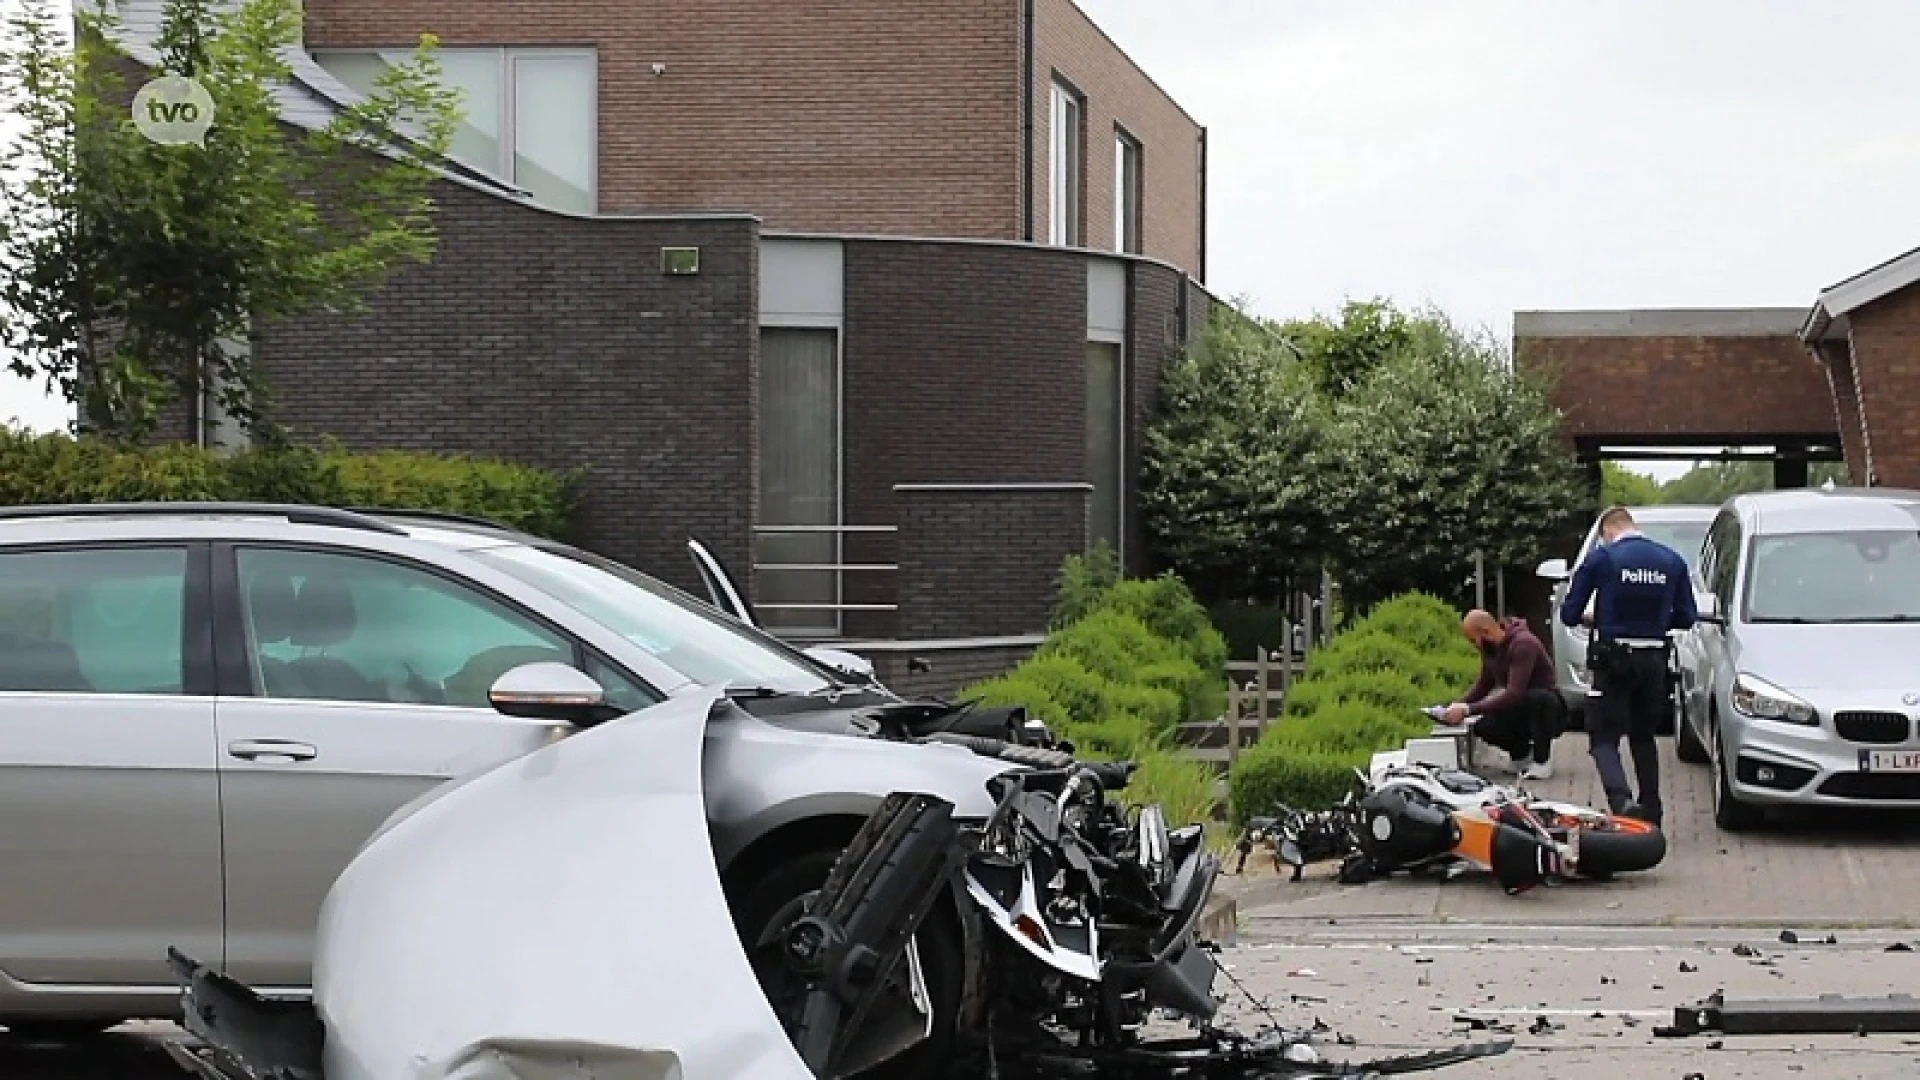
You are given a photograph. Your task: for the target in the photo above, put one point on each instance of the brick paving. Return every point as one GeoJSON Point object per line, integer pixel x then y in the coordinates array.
{"type": "Point", "coordinates": [1854, 868]}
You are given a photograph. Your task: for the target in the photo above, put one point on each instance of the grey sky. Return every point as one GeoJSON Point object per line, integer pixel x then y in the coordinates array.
{"type": "Point", "coordinates": [1493, 155]}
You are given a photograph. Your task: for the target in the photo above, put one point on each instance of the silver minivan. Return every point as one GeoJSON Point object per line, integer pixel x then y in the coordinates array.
{"type": "Point", "coordinates": [1805, 681]}
{"type": "Point", "coordinates": [1680, 526]}
{"type": "Point", "coordinates": [205, 711]}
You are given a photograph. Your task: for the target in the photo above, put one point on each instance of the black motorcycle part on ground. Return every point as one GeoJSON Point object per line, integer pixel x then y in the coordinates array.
{"type": "Point", "coordinates": [856, 928]}
{"type": "Point", "coordinates": [1522, 860]}
{"type": "Point", "coordinates": [242, 1035]}
{"type": "Point", "coordinates": [1401, 826]}
{"type": "Point", "coordinates": [1827, 1015]}
{"type": "Point", "coordinates": [1604, 853]}
{"type": "Point", "coordinates": [1222, 1058]}
{"type": "Point", "coordinates": [1178, 974]}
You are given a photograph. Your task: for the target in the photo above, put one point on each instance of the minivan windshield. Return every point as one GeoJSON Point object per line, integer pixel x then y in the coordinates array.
{"type": "Point", "coordinates": [1834, 577]}
{"type": "Point", "coordinates": [1684, 537]}
{"type": "Point", "coordinates": [687, 635]}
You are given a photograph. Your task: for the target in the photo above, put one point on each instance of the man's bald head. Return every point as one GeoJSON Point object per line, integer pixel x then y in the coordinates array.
{"type": "Point", "coordinates": [1482, 628]}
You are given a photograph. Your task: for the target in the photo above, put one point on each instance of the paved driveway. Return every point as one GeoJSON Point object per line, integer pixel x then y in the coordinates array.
{"type": "Point", "coordinates": [1806, 870]}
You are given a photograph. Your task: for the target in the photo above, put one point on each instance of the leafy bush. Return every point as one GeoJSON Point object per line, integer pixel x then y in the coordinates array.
{"type": "Point", "coordinates": [1120, 648]}
{"type": "Point", "coordinates": [1084, 581]}
{"type": "Point", "coordinates": [1361, 693]}
{"type": "Point", "coordinates": [1274, 773]}
{"type": "Point", "coordinates": [1183, 787]}
{"type": "Point", "coordinates": [61, 469]}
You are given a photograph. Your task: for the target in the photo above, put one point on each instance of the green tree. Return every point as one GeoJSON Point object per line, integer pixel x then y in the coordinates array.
{"type": "Point", "coordinates": [1714, 482]}
{"type": "Point", "coordinates": [1621, 486]}
{"type": "Point", "coordinates": [1442, 451]}
{"type": "Point", "coordinates": [133, 268]}
{"type": "Point", "coordinates": [1228, 491]}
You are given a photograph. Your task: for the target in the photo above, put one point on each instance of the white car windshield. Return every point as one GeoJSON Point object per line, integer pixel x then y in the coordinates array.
{"type": "Point", "coordinates": [1684, 537]}
{"type": "Point", "coordinates": [1835, 577]}
{"type": "Point", "coordinates": [686, 634]}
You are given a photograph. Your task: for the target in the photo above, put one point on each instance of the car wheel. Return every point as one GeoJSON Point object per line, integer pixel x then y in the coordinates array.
{"type": "Point", "coordinates": [1686, 741]}
{"type": "Point", "coordinates": [778, 897]}
{"type": "Point", "coordinates": [57, 1030]}
{"type": "Point", "coordinates": [1729, 813]}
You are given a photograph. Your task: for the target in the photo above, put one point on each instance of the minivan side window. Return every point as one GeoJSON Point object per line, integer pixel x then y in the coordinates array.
{"type": "Point", "coordinates": [336, 627]}
{"type": "Point", "coordinates": [1726, 561]}
{"type": "Point", "coordinates": [99, 620]}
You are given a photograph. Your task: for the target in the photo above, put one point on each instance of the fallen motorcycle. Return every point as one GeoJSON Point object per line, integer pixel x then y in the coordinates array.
{"type": "Point", "coordinates": [1408, 816]}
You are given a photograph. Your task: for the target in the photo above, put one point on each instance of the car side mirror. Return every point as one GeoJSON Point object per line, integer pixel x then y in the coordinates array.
{"type": "Point", "coordinates": [552, 692]}
{"type": "Point", "coordinates": [840, 660]}
{"type": "Point", "coordinates": [1552, 570]}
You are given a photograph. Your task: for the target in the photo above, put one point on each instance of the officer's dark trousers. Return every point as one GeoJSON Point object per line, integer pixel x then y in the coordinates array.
{"type": "Point", "coordinates": [1528, 728]}
{"type": "Point", "coordinates": [1630, 695]}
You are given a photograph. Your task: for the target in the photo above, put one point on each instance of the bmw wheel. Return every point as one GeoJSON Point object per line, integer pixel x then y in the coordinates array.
{"type": "Point", "coordinates": [1729, 813]}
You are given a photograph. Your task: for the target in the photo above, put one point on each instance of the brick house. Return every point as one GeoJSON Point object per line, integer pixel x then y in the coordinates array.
{"type": "Point", "coordinates": [871, 298]}
{"type": "Point", "coordinates": [1839, 379]}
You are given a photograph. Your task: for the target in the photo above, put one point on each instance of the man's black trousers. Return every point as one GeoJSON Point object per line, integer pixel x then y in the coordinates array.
{"type": "Point", "coordinates": [1630, 694]}
{"type": "Point", "coordinates": [1529, 728]}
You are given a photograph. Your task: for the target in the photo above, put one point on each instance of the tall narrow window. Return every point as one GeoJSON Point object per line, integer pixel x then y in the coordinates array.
{"type": "Point", "coordinates": [796, 577]}
{"type": "Point", "coordinates": [1064, 221]}
{"type": "Point", "coordinates": [1126, 194]}
{"type": "Point", "coordinates": [1106, 442]}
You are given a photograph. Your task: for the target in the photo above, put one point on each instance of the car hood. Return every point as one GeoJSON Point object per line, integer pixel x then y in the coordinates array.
{"type": "Point", "coordinates": [558, 915]}
{"type": "Point", "coordinates": [1851, 656]}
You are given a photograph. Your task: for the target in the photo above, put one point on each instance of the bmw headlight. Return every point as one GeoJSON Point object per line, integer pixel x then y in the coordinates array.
{"type": "Point", "coordinates": [1763, 700]}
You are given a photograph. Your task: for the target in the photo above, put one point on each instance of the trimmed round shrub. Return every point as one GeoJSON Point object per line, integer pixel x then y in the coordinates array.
{"type": "Point", "coordinates": [1121, 649]}
{"type": "Point", "coordinates": [1350, 725]}
{"type": "Point", "coordinates": [1297, 775]}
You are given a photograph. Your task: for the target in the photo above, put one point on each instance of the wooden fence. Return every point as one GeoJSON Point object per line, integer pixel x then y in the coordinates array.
{"type": "Point", "coordinates": [1256, 693]}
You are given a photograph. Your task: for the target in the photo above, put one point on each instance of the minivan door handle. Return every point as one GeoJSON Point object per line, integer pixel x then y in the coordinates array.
{"type": "Point", "coordinates": [272, 750]}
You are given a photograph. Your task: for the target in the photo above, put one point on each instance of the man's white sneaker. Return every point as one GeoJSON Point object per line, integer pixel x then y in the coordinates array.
{"type": "Point", "coordinates": [1541, 771]}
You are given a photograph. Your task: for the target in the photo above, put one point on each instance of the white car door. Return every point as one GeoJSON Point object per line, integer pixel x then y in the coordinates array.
{"type": "Point", "coordinates": [362, 683]}
{"type": "Point", "coordinates": [109, 801]}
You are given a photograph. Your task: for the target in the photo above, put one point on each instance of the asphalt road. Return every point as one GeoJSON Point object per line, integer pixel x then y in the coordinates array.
{"type": "Point", "coordinates": [1581, 1003]}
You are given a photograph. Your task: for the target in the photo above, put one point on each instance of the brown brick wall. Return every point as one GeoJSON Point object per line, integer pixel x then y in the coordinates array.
{"type": "Point", "coordinates": [557, 342]}
{"type": "Point", "coordinates": [890, 116]}
{"type": "Point", "coordinates": [1068, 45]}
{"type": "Point", "coordinates": [1838, 365]}
{"type": "Point", "coordinates": [1886, 362]}
{"type": "Point", "coordinates": [929, 326]}
{"type": "Point", "coordinates": [950, 670]}
{"type": "Point", "coordinates": [1663, 388]}
{"type": "Point", "coordinates": [984, 563]}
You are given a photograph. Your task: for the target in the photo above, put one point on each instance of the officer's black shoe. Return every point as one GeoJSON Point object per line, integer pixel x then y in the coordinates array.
{"type": "Point", "coordinates": [1641, 813]}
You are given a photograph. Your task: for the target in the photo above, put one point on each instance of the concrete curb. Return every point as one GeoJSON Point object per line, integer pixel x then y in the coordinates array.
{"type": "Point", "coordinates": [1220, 921]}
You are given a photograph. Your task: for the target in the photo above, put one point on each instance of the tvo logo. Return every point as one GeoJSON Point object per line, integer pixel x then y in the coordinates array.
{"type": "Point", "coordinates": [173, 110]}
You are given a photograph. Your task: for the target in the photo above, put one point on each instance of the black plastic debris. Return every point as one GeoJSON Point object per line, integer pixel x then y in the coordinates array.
{"type": "Point", "coordinates": [1829, 1014]}
{"type": "Point", "coordinates": [1541, 1026]}
{"type": "Point", "coordinates": [1686, 968]}
{"type": "Point", "coordinates": [1744, 949]}
{"type": "Point", "coordinates": [1899, 946]}
{"type": "Point", "coordinates": [1788, 937]}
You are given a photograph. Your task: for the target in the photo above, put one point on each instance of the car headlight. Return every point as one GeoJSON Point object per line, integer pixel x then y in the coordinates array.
{"type": "Point", "coordinates": [1765, 701]}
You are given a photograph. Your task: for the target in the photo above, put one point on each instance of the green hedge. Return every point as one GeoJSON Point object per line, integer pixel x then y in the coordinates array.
{"type": "Point", "coordinates": [1125, 663]}
{"type": "Point", "coordinates": [1360, 693]}
{"type": "Point", "coordinates": [60, 469]}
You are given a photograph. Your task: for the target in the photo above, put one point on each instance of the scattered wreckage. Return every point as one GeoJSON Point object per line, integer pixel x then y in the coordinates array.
{"type": "Point", "coordinates": [562, 916]}
{"type": "Point", "coordinates": [1416, 810]}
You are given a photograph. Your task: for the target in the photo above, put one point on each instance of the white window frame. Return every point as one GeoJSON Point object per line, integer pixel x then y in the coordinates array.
{"type": "Point", "coordinates": [1127, 206]}
{"type": "Point", "coordinates": [1068, 171]}
{"type": "Point", "coordinates": [503, 168]}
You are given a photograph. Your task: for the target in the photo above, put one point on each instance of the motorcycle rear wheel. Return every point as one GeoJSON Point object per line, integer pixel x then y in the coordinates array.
{"type": "Point", "coordinates": [1620, 846]}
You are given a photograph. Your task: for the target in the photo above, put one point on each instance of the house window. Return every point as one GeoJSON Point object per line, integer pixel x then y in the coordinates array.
{"type": "Point", "coordinates": [1064, 226]}
{"type": "Point", "coordinates": [530, 115]}
{"type": "Point", "coordinates": [796, 579]}
{"type": "Point", "coordinates": [1126, 194]}
{"type": "Point", "coordinates": [1106, 442]}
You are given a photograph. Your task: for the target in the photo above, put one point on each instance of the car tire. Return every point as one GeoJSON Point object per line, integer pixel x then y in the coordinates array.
{"type": "Point", "coordinates": [1686, 741]}
{"type": "Point", "coordinates": [1729, 813]}
{"type": "Point", "coordinates": [58, 1030]}
{"type": "Point", "coordinates": [779, 894]}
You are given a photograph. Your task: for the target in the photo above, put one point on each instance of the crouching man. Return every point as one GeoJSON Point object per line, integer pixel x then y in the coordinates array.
{"type": "Point", "coordinates": [1516, 702]}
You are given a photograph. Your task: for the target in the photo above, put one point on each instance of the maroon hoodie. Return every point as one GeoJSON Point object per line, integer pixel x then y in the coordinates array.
{"type": "Point", "coordinates": [1518, 665]}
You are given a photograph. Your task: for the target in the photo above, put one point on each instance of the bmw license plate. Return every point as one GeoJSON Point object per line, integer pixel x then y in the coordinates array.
{"type": "Point", "coordinates": [1896, 761]}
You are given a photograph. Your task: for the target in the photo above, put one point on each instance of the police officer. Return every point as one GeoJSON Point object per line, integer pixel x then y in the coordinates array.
{"type": "Point", "coordinates": [1641, 589]}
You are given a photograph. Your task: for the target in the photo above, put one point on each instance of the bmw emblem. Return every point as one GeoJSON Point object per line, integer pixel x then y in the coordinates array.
{"type": "Point", "coordinates": [1910, 698]}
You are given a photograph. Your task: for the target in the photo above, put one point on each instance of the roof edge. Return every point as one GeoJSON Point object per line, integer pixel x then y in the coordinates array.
{"type": "Point", "coordinates": [1660, 322]}
{"type": "Point", "coordinates": [1874, 283]}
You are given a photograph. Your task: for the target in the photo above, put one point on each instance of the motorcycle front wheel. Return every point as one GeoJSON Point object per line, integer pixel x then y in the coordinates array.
{"type": "Point", "coordinates": [1620, 846]}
